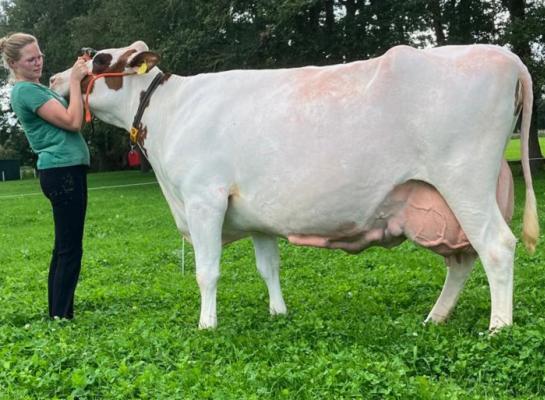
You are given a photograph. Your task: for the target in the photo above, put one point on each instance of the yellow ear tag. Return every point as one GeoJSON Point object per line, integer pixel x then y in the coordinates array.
{"type": "Point", "coordinates": [142, 69]}
{"type": "Point", "coordinates": [133, 134]}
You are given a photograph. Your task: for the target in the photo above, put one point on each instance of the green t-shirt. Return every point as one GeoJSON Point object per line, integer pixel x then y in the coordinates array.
{"type": "Point", "coordinates": [55, 146]}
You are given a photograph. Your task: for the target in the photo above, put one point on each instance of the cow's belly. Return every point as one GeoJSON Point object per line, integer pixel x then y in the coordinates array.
{"type": "Point", "coordinates": [350, 218]}
{"type": "Point", "coordinates": [326, 210]}
{"type": "Point", "coordinates": [413, 210]}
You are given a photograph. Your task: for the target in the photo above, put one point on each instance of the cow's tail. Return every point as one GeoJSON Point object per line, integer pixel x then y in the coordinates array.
{"type": "Point", "coordinates": [530, 225]}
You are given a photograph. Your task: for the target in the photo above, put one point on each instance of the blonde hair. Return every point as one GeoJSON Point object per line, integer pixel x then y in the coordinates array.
{"type": "Point", "coordinates": [10, 47]}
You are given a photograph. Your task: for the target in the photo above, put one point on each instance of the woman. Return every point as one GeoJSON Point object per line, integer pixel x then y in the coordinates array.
{"type": "Point", "coordinates": [52, 125]}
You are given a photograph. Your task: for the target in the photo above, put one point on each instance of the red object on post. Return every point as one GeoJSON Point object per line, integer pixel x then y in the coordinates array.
{"type": "Point", "coordinates": [133, 158]}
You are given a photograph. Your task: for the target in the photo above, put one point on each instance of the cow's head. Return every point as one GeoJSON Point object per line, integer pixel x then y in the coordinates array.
{"type": "Point", "coordinates": [105, 93]}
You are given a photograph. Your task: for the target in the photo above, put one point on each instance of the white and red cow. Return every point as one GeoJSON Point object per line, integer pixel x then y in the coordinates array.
{"type": "Point", "coordinates": [345, 156]}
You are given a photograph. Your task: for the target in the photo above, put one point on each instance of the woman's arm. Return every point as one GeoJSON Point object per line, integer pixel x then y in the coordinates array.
{"type": "Point", "coordinates": [69, 118]}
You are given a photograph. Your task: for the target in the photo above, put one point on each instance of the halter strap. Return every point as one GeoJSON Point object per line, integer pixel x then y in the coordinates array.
{"type": "Point", "coordinates": [144, 102]}
{"type": "Point", "coordinates": [88, 116]}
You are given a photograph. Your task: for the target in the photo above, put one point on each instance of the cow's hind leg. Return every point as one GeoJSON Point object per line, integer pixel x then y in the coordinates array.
{"type": "Point", "coordinates": [477, 211]}
{"type": "Point", "coordinates": [497, 256]}
{"type": "Point", "coordinates": [268, 264]}
{"type": "Point", "coordinates": [205, 221]}
{"type": "Point", "coordinates": [458, 269]}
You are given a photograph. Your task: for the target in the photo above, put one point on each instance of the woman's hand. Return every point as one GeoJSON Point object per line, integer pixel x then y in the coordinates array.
{"type": "Point", "coordinates": [79, 70]}
{"type": "Point", "coordinates": [69, 118]}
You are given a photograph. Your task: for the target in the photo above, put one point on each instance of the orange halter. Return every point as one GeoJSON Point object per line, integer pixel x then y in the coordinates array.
{"type": "Point", "coordinates": [90, 87]}
{"type": "Point", "coordinates": [86, 56]}
{"type": "Point", "coordinates": [144, 100]}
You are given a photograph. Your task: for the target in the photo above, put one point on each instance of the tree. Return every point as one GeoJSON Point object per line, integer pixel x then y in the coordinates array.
{"type": "Point", "coordinates": [472, 21]}
{"type": "Point", "coordinates": [196, 36]}
{"type": "Point", "coordinates": [527, 22]}
{"type": "Point", "coordinates": [13, 143]}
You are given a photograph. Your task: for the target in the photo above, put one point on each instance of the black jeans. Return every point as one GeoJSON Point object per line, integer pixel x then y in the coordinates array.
{"type": "Point", "coordinates": [66, 189]}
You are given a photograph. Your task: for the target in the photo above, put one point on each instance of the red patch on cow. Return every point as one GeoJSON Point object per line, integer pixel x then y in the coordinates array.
{"type": "Point", "coordinates": [116, 82]}
{"type": "Point", "coordinates": [165, 78]}
{"type": "Point", "coordinates": [142, 135]}
{"type": "Point", "coordinates": [101, 63]}
{"type": "Point", "coordinates": [85, 84]}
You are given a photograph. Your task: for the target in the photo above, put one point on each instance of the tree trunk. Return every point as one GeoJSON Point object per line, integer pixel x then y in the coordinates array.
{"type": "Point", "coordinates": [437, 22]}
{"type": "Point", "coordinates": [536, 157]}
{"type": "Point", "coordinates": [350, 11]}
{"type": "Point", "coordinates": [329, 16]}
{"type": "Point", "coordinates": [314, 17]}
{"type": "Point", "coordinates": [521, 47]}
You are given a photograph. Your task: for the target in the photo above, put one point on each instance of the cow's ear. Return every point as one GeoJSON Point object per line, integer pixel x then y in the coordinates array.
{"type": "Point", "coordinates": [144, 61]}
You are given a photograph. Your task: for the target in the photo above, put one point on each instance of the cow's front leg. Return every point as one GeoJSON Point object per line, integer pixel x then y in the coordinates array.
{"type": "Point", "coordinates": [205, 221]}
{"type": "Point", "coordinates": [268, 264]}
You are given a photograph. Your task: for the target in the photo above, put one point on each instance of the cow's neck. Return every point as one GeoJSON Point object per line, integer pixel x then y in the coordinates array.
{"type": "Point", "coordinates": [145, 98]}
{"type": "Point", "coordinates": [122, 113]}
{"type": "Point", "coordinates": [137, 90]}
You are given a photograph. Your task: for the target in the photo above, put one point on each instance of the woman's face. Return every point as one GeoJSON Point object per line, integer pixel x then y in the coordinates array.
{"type": "Point", "coordinates": [30, 64]}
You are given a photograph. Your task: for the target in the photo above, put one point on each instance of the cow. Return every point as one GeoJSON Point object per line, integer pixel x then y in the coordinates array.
{"type": "Point", "coordinates": [406, 145]}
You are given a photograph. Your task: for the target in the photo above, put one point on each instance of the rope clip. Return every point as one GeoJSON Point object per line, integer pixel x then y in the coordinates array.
{"type": "Point", "coordinates": [134, 135]}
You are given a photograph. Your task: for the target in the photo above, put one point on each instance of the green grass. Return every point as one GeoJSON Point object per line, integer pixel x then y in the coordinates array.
{"type": "Point", "coordinates": [512, 152]}
{"type": "Point", "coordinates": [354, 328]}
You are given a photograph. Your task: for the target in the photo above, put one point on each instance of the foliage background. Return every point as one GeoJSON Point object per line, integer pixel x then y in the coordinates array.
{"type": "Point", "coordinates": [197, 36]}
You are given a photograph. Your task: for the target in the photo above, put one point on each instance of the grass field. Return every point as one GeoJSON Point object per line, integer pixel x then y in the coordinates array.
{"type": "Point", "coordinates": [513, 148]}
{"type": "Point", "coordinates": [354, 328]}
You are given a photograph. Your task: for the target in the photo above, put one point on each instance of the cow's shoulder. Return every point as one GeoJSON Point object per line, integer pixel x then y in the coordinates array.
{"type": "Point", "coordinates": [401, 53]}
{"type": "Point", "coordinates": [402, 61]}
{"type": "Point", "coordinates": [401, 50]}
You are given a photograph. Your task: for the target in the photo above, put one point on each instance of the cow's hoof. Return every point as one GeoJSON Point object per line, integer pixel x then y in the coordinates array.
{"type": "Point", "coordinates": [210, 324]}
{"type": "Point", "coordinates": [496, 324]}
{"type": "Point", "coordinates": [435, 319]}
{"type": "Point", "coordinates": [203, 327]}
{"type": "Point", "coordinates": [278, 310]}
